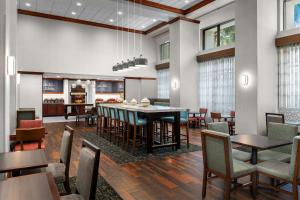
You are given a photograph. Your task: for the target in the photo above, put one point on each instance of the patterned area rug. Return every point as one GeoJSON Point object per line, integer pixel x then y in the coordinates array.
{"type": "Point", "coordinates": [104, 190]}
{"type": "Point", "coordinates": [120, 156]}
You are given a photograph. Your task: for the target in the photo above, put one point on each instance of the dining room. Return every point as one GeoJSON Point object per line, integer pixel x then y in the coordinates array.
{"type": "Point", "coordinates": [149, 99]}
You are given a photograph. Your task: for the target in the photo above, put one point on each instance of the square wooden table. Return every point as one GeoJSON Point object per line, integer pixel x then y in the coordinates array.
{"type": "Point", "coordinates": [19, 160]}
{"type": "Point", "coordinates": [39, 186]}
{"type": "Point", "coordinates": [258, 142]}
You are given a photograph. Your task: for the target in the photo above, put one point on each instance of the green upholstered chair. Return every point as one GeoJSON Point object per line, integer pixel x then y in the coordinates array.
{"type": "Point", "coordinates": [224, 128]}
{"type": "Point", "coordinates": [122, 126]}
{"type": "Point", "coordinates": [284, 171]}
{"type": "Point", "coordinates": [217, 158]}
{"type": "Point", "coordinates": [279, 131]}
{"type": "Point", "coordinates": [100, 119]}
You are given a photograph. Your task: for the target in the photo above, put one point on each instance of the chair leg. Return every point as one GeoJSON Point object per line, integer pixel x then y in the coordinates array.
{"type": "Point", "coordinates": [187, 135]}
{"type": "Point", "coordinates": [67, 185]}
{"type": "Point", "coordinates": [227, 189]}
{"type": "Point", "coordinates": [295, 191]}
{"type": "Point", "coordinates": [253, 186]}
{"type": "Point", "coordinates": [204, 184]}
{"type": "Point", "coordinates": [134, 139]}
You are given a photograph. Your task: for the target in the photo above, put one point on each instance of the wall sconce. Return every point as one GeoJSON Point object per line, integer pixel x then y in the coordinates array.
{"type": "Point", "coordinates": [11, 65]}
{"type": "Point", "coordinates": [88, 82]}
{"type": "Point", "coordinates": [245, 80]}
{"type": "Point", "coordinates": [175, 84]}
{"type": "Point", "coordinates": [73, 85]}
{"type": "Point", "coordinates": [18, 79]}
{"type": "Point", "coordinates": [78, 82]}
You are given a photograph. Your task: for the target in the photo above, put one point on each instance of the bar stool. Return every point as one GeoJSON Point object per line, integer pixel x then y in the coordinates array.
{"type": "Point", "coordinates": [122, 126]}
{"type": "Point", "coordinates": [113, 121]}
{"type": "Point", "coordinates": [137, 124]}
{"type": "Point", "coordinates": [106, 123]}
{"type": "Point", "coordinates": [100, 120]}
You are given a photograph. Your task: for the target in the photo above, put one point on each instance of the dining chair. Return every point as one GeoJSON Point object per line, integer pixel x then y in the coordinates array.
{"type": "Point", "coordinates": [217, 159]}
{"type": "Point", "coordinates": [60, 171]}
{"type": "Point", "coordinates": [215, 116]}
{"type": "Point", "coordinates": [31, 123]}
{"type": "Point", "coordinates": [202, 117]}
{"type": "Point", "coordinates": [29, 139]}
{"type": "Point", "coordinates": [136, 124]}
{"type": "Point", "coordinates": [279, 131]}
{"type": "Point", "coordinates": [87, 174]}
{"type": "Point", "coordinates": [80, 116]}
{"type": "Point", "coordinates": [106, 124]}
{"type": "Point", "coordinates": [223, 127]}
{"type": "Point", "coordinates": [274, 117]}
{"type": "Point", "coordinates": [282, 171]}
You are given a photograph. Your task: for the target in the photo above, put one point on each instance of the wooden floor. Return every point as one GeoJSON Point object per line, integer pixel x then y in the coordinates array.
{"type": "Point", "coordinates": [172, 177]}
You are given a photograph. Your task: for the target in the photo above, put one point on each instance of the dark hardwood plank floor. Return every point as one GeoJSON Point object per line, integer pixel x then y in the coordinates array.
{"type": "Point", "coordinates": [172, 177]}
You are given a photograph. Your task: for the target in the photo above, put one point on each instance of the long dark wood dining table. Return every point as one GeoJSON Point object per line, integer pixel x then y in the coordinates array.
{"type": "Point", "coordinates": [152, 113]}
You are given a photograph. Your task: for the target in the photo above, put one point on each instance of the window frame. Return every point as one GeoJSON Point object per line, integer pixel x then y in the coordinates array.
{"type": "Point", "coordinates": [160, 50]}
{"type": "Point", "coordinates": [284, 15]}
{"type": "Point", "coordinates": [218, 26]}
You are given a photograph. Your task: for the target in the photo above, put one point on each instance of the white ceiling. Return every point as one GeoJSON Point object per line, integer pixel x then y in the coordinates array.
{"type": "Point", "coordinates": [181, 4]}
{"type": "Point", "coordinates": [102, 11]}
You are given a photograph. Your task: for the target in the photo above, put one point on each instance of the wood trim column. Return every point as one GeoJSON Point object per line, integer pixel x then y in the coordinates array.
{"type": "Point", "coordinates": [217, 54]}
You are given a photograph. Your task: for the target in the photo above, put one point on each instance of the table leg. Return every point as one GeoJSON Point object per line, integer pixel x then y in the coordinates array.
{"type": "Point", "coordinates": [149, 133]}
{"type": "Point", "coordinates": [177, 129]}
{"type": "Point", "coordinates": [66, 112]}
{"type": "Point", "coordinates": [254, 156]}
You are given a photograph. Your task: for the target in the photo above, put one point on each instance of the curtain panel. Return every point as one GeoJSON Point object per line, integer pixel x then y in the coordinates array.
{"type": "Point", "coordinates": [217, 85]}
{"type": "Point", "coordinates": [163, 84]}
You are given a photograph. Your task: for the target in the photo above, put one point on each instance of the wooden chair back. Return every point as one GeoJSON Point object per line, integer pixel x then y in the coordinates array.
{"type": "Point", "coordinates": [203, 112]}
{"type": "Point", "coordinates": [30, 135]}
{"type": "Point", "coordinates": [216, 149]}
{"type": "Point", "coordinates": [295, 164]}
{"type": "Point", "coordinates": [87, 176]}
{"type": "Point", "coordinates": [215, 116]}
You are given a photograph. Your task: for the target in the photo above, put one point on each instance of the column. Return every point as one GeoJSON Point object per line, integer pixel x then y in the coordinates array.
{"type": "Point", "coordinates": [256, 64]}
{"type": "Point", "coordinates": [184, 40]}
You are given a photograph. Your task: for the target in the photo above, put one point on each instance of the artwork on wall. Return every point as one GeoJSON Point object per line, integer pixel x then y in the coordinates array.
{"type": "Point", "coordinates": [297, 15]}
{"type": "Point", "coordinates": [53, 86]}
{"type": "Point", "coordinates": [103, 87]}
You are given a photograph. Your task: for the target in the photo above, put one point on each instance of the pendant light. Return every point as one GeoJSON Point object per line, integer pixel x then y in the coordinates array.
{"type": "Point", "coordinates": [141, 62]}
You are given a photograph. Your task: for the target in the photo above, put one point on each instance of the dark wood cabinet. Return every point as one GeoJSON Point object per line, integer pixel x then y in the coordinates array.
{"type": "Point", "coordinates": [53, 109]}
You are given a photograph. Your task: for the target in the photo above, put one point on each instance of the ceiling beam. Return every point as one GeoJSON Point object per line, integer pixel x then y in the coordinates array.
{"type": "Point", "coordinates": [78, 21]}
{"type": "Point", "coordinates": [158, 6]}
{"type": "Point", "coordinates": [197, 6]}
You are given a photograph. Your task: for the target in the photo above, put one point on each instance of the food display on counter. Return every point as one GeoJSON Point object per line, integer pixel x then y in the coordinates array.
{"type": "Point", "coordinates": [56, 100]}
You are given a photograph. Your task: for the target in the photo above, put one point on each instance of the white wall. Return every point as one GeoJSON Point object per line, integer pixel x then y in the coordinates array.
{"type": "Point", "coordinates": [31, 92]}
{"type": "Point", "coordinates": [62, 47]}
{"type": "Point", "coordinates": [138, 89]}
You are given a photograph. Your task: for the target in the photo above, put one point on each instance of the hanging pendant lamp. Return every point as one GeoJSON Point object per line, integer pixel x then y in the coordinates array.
{"type": "Point", "coordinates": [141, 62]}
{"type": "Point", "coordinates": [131, 63]}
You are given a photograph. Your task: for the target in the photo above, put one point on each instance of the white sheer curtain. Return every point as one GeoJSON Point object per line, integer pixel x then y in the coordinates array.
{"type": "Point", "coordinates": [289, 77]}
{"type": "Point", "coordinates": [217, 85]}
{"type": "Point", "coordinates": [163, 84]}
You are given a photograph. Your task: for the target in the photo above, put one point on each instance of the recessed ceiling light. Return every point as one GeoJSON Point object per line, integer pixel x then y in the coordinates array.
{"type": "Point", "coordinates": [120, 13]}
{"type": "Point", "coordinates": [111, 20]}
{"type": "Point", "coordinates": [143, 26]}
{"type": "Point", "coordinates": [57, 76]}
{"type": "Point", "coordinates": [78, 4]}
{"type": "Point", "coordinates": [187, 1]}
{"type": "Point", "coordinates": [154, 20]}
{"type": "Point", "coordinates": [27, 4]}
{"type": "Point", "coordinates": [73, 13]}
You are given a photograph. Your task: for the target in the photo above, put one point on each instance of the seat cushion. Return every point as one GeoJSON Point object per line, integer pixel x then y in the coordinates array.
{"type": "Point", "coordinates": [242, 168]}
{"type": "Point", "coordinates": [274, 168]}
{"type": "Point", "coordinates": [267, 155]}
{"type": "Point", "coordinates": [29, 146]}
{"type": "Point", "coordinates": [72, 197]}
{"type": "Point", "coordinates": [57, 170]}
{"type": "Point", "coordinates": [241, 155]}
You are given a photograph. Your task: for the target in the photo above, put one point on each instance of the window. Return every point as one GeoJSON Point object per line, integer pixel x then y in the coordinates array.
{"type": "Point", "coordinates": [217, 85]}
{"type": "Point", "coordinates": [165, 51]}
{"type": "Point", "coordinates": [163, 84]}
{"type": "Point", "coordinates": [219, 35]}
{"type": "Point", "coordinates": [291, 14]}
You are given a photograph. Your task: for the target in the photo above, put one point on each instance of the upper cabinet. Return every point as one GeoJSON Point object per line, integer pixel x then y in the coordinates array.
{"type": "Point", "coordinates": [53, 86]}
{"type": "Point", "coordinates": [109, 87]}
